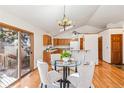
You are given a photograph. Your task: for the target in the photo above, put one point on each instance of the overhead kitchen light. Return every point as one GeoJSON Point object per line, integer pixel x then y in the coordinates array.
{"type": "Point", "coordinates": [65, 22]}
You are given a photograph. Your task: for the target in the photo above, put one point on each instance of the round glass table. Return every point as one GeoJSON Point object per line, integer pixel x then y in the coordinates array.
{"type": "Point", "coordinates": [66, 69]}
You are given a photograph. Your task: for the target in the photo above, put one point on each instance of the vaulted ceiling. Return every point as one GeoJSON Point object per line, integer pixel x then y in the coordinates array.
{"type": "Point", "coordinates": [46, 17]}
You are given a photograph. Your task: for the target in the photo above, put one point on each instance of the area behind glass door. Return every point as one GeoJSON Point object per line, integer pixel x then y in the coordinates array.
{"type": "Point", "coordinates": [16, 54]}
{"type": "Point", "coordinates": [25, 52]}
{"type": "Point", "coordinates": [8, 57]}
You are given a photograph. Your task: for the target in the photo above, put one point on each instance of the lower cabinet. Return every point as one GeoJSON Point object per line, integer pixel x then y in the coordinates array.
{"type": "Point", "coordinates": [47, 56]}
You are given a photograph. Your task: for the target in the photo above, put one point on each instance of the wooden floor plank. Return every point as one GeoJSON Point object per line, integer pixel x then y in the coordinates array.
{"type": "Point", "coordinates": [105, 76]}
{"type": "Point", "coordinates": [108, 76]}
{"type": "Point", "coordinates": [31, 80]}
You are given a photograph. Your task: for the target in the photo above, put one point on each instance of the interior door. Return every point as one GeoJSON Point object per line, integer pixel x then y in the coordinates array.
{"type": "Point", "coordinates": [100, 48]}
{"type": "Point", "coordinates": [116, 48]}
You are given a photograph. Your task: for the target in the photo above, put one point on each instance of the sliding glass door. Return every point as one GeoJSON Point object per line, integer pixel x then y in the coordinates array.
{"type": "Point", "coordinates": [16, 58]}
{"type": "Point", "coordinates": [25, 52]}
{"type": "Point", "coordinates": [8, 57]}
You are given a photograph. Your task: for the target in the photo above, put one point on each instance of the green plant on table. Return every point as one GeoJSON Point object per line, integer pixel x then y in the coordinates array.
{"type": "Point", "coordinates": [66, 54]}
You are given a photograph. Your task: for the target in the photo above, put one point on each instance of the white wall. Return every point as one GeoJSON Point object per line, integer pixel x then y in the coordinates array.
{"type": "Point", "coordinates": [107, 43]}
{"type": "Point", "coordinates": [91, 46]}
{"type": "Point", "coordinates": [38, 33]}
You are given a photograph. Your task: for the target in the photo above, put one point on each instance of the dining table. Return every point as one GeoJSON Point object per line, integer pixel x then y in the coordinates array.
{"type": "Point", "coordinates": [66, 65]}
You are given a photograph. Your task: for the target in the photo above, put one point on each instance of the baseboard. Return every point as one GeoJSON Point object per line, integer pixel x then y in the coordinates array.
{"type": "Point", "coordinates": [106, 61]}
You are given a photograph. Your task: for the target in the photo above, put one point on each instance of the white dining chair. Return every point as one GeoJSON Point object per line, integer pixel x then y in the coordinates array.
{"type": "Point", "coordinates": [47, 77]}
{"type": "Point", "coordinates": [78, 56]}
{"type": "Point", "coordinates": [55, 57]}
{"type": "Point", "coordinates": [83, 79]}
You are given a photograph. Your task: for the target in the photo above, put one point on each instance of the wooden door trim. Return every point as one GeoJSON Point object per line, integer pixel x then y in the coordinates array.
{"type": "Point", "coordinates": [5, 25]}
{"type": "Point", "coordinates": [11, 27]}
{"type": "Point", "coordinates": [32, 52]}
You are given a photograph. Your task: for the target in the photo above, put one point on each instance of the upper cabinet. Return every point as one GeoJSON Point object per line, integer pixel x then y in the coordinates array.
{"type": "Point", "coordinates": [47, 40]}
{"type": "Point", "coordinates": [65, 42]}
{"type": "Point", "coordinates": [55, 41]}
{"type": "Point", "coordinates": [81, 43]}
{"type": "Point", "coordinates": [61, 42]}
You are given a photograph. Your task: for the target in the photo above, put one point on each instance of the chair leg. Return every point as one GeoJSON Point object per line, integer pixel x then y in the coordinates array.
{"type": "Point", "coordinates": [68, 84]}
{"type": "Point", "coordinates": [45, 86]}
{"type": "Point", "coordinates": [89, 86]}
{"type": "Point", "coordinates": [60, 83]}
{"type": "Point", "coordinates": [68, 71]}
{"type": "Point", "coordinates": [76, 69]}
{"type": "Point", "coordinates": [41, 85]}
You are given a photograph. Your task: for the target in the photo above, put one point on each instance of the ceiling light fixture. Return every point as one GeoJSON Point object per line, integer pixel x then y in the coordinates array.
{"type": "Point", "coordinates": [65, 22]}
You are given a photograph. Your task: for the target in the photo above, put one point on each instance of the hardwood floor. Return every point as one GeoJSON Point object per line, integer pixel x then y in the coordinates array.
{"type": "Point", "coordinates": [108, 76]}
{"type": "Point", "coordinates": [31, 80]}
{"type": "Point", "coordinates": [105, 76]}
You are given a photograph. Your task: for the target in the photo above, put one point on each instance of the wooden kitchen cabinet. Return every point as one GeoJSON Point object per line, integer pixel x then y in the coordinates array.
{"type": "Point", "coordinates": [47, 40]}
{"type": "Point", "coordinates": [68, 41]}
{"type": "Point", "coordinates": [58, 51]}
{"type": "Point", "coordinates": [61, 42]}
{"type": "Point", "coordinates": [81, 43]}
{"type": "Point", "coordinates": [55, 42]}
{"type": "Point", "coordinates": [46, 57]}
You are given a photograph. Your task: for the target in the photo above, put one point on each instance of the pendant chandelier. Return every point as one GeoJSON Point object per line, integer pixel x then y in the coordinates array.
{"type": "Point", "coordinates": [65, 22]}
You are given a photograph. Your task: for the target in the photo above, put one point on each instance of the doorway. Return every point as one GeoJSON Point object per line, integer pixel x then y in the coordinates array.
{"type": "Point", "coordinates": [25, 53]}
{"type": "Point", "coordinates": [116, 48]}
{"type": "Point", "coordinates": [100, 48]}
{"type": "Point", "coordinates": [16, 54]}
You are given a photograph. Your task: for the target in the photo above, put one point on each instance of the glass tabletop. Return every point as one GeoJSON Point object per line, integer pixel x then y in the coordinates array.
{"type": "Point", "coordinates": [70, 63]}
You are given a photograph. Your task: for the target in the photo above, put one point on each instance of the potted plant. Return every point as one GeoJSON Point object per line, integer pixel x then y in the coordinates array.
{"type": "Point", "coordinates": [66, 55]}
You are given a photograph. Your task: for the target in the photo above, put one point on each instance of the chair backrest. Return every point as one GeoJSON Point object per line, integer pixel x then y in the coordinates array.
{"type": "Point", "coordinates": [55, 57]}
{"type": "Point", "coordinates": [41, 60]}
{"type": "Point", "coordinates": [86, 75]}
{"type": "Point", "coordinates": [43, 70]}
{"type": "Point", "coordinates": [78, 55]}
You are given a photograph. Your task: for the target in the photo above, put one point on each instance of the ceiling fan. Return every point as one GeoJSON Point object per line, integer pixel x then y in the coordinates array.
{"type": "Point", "coordinates": [76, 33]}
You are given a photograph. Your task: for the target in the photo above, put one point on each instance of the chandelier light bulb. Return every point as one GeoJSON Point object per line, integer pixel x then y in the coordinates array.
{"type": "Point", "coordinates": [65, 22]}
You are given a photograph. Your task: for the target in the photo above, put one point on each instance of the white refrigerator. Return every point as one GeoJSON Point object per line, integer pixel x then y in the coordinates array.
{"type": "Point", "coordinates": [74, 45]}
